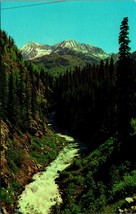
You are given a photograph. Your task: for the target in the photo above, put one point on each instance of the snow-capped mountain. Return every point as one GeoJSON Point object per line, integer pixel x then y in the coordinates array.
{"type": "Point", "coordinates": [79, 47]}
{"type": "Point", "coordinates": [34, 50]}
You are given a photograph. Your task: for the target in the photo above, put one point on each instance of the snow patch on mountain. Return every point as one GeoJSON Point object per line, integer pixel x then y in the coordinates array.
{"type": "Point", "coordinates": [34, 50]}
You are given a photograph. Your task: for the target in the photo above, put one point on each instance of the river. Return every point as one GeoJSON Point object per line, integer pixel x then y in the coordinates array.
{"type": "Point", "coordinates": [42, 193]}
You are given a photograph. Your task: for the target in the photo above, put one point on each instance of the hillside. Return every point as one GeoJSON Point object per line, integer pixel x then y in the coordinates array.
{"type": "Point", "coordinates": [63, 56]}
{"type": "Point", "coordinates": [95, 103]}
{"type": "Point", "coordinates": [27, 143]}
{"type": "Point", "coordinates": [56, 64]}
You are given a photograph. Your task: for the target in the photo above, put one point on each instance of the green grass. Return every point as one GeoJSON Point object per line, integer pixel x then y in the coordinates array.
{"type": "Point", "coordinates": [14, 157]}
{"type": "Point", "coordinates": [46, 149]}
{"type": "Point", "coordinates": [8, 195]}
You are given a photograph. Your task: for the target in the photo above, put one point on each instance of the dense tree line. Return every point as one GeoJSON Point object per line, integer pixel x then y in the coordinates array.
{"type": "Point", "coordinates": [84, 98]}
{"type": "Point", "coordinates": [94, 103]}
{"type": "Point", "coordinates": [99, 101]}
{"type": "Point", "coordinates": [24, 90]}
{"type": "Point", "coordinates": [126, 86]}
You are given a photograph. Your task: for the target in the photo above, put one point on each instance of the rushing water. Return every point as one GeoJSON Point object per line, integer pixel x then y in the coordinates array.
{"type": "Point", "coordinates": [41, 194]}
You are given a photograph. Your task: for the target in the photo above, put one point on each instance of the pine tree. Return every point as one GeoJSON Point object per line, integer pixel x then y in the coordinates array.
{"type": "Point", "coordinates": [124, 49]}
{"type": "Point", "coordinates": [124, 82]}
{"type": "Point", "coordinates": [111, 70]}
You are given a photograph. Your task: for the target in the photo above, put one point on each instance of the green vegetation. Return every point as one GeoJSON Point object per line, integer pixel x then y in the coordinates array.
{"type": "Point", "coordinates": [96, 103]}
{"type": "Point", "coordinates": [24, 89]}
{"type": "Point", "coordinates": [9, 194]}
{"type": "Point", "coordinates": [58, 64]}
{"type": "Point", "coordinates": [42, 151]}
{"type": "Point", "coordinates": [97, 182]}
{"type": "Point", "coordinates": [14, 157]}
{"type": "Point", "coordinates": [126, 186]}
{"type": "Point", "coordinates": [99, 101]}
{"type": "Point", "coordinates": [46, 149]}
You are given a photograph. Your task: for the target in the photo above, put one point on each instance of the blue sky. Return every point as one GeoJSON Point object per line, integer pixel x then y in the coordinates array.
{"type": "Point", "coordinates": [92, 22]}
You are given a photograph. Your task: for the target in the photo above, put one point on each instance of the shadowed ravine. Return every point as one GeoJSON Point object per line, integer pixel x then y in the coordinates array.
{"type": "Point", "coordinates": [41, 194]}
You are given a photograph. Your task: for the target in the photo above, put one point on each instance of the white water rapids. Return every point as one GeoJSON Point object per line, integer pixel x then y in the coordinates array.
{"type": "Point", "coordinates": [41, 194]}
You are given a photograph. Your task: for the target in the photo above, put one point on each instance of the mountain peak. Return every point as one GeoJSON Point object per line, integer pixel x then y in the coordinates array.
{"type": "Point", "coordinates": [67, 44]}
{"type": "Point", "coordinates": [30, 45]}
{"type": "Point", "coordinates": [34, 50]}
{"type": "Point", "coordinates": [71, 43]}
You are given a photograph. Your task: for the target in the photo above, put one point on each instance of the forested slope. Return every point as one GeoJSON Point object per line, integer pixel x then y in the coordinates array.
{"type": "Point", "coordinates": [96, 104]}
{"type": "Point", "coordinates": [27, 144]}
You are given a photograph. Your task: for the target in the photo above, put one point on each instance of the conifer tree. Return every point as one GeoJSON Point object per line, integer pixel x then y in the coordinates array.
{"type": "Point", "coordinates": [124, 49]}
{"type": "Point", "coordinates": [124, 84]}
{"type": "Point", "coordinates": [111, 70]}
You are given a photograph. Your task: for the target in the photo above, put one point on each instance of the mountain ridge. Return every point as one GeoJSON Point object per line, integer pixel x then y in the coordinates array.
{"type": "Point", "coordinates": [33, 50]}
{"type": "Point", "coordinates": [66, 55]}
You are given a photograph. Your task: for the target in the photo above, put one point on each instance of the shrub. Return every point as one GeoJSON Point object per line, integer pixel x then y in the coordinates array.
{"type": "Point", "coordinates": [126, 186]}
{"type": "Point", "coordinates": [5, 197]}
{"type": "Point", "coordinates": [133, 125]}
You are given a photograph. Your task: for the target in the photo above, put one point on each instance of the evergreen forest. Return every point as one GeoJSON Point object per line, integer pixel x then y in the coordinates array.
{"type": "Point", "coordinates": [96, 104]}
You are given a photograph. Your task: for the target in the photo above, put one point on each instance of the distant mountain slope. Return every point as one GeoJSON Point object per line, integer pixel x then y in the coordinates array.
{"type": "Point", "coordinates": [65, 55]}
{"type": "Point", "coordinates": [34, 50]}
{"type": "Point", "coordinates": [62, 56]}
{"type": "Point", "coordinates": [56, 63]}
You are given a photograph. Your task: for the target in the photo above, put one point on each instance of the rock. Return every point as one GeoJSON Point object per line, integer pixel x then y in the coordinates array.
{"type": "Point", "coordinates": [37, 128]}
{"type": "Point", "coordinates": [129, 200]}
{"type": "Point", "coordinates": [126, 210]}
{"type": "Point", "coordinates": [29, 170]}
{"type": "Point", "coordinates": [121, 211]}
{"type": "Point", "coordinates": [129, 205]}
{"type": "Point", "coordinates": [134, 208]}
{"type": "Point", "coordinates": [4, 210]}
{"type": "Point", "coordinates": [39, 166]}
{"type": "Point", "coordinates": [134, 197]}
